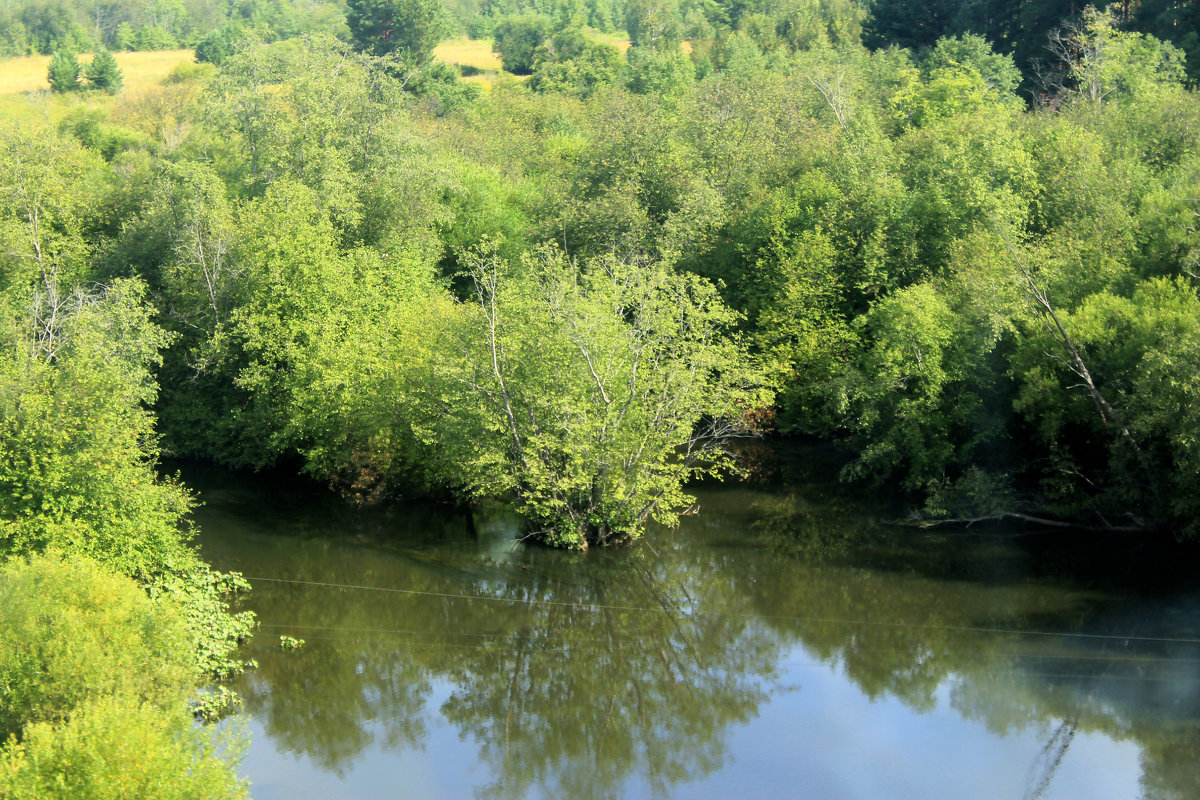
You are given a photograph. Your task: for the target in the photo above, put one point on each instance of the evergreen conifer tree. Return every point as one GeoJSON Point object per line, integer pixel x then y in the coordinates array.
{"type": "Point", "coordinates": [63, 73]}
{"type": "Point", "coordinates": [104, 74]}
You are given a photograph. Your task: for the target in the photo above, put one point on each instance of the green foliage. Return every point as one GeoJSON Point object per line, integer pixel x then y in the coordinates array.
{"type": "Point", "coordinates": [440, 89]}
{"type": "Point", "coordinates": [1098, 61]}
{"type": "Point", "coordinates": [78, 448]}
{"type": "Point", "coordinates": [308, 339]}
{"type": "Point", "coordinates": [570, 63]}
{"type": "Point", "coordinates": [151, 37]}
{"type": "Point", "coordinates": [52, 26]}
{"type": "Point", "coordinates": [968, 51]}
{"type": "Point", "coordinates": [1144, 350]}
{"type": "Point", "coordinates": [72, 632]}
{"type": "Point", "coordinates": [410, 28]}
{"type": "Point", "coordinates": [49, 188]}
{"type": "Point", "coordinates": [517, 38]}
{"type": "Point", "coordinates": [1177, 23]}
{"type": "Point", "coordinates": [104, 74]}
{"type": "Point", "coordinates": [77, 459]}
{"type": "Point", "coordinates": [1028, 30]}
{"type": "Point", "coordinates": [659, 72]}
{"type": "Point", "coordinates": [653, 24]}
{"type": "Point", "coordinates": [44, 26]}
{"type": "Point", "coordinates": [63, 72]}
{"type": "Point", "coordinates": [808, 24]}
{"type": "Point", "coordinates": [93, 130]}
{"type": "Point", "coordinates": [203, 597]}
{"type": "Point", "coordinates": [112, 748]}
{"type": "Point", "coordinates": [77, 468]}
{"type": "Point", "coordinates": [908, 392]}
{"type": "Point", "coordinates": [591, 392]}
{"type": "Point", "coordinates": [908, 24]}
{"type": "Point", "coordinates": [216, 704]}
{"type": "Point", "coordinates": [220, 44]}
{"type": "Point", "coordinates": [291, 219]}
{"type": "Point", "coordinates": [14, 38]}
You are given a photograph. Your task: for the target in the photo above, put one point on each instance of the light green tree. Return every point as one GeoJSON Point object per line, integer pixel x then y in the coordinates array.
{"type": "Point", "coordinates": [591, 392]}
{"type": "Point", "coordinates": [1097, 59]}
{"type": "Point", "coordinates": [94, 684]}
{"type": "Point", "coordinates": [112, 748]}
{"type": "Point", "coordinates": [73, 631]}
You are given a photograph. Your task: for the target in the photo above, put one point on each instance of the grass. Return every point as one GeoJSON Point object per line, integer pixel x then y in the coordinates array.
{"type": "Point", "coordinates": [465, 52]}
{"type": "Point", "coordinates": [142, 71]}
{"type": "Point", "coordinates": [617, 40]}
{"type": "Point", "coordinates": [478, 54]}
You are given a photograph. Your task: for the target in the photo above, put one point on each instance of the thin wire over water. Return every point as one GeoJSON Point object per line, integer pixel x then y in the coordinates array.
{"type": "Point", "coordinates": [783, 617]}
{"type": "Point", "coordinates": [560, 651]}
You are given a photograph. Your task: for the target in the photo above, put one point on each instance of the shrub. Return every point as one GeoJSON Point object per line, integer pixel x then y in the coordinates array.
{"type": "Point", "coordinates": [71, 631]}
{"type": "Point", "coordinates": [111, 749]}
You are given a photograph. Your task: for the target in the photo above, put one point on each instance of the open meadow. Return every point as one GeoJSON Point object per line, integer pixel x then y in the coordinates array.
{"type": "Point", "coordinates": [141, 70]}
{"type": "Point", "coordinates": [480, 64]}
{"type": "Point", "coordinates": [145, 70]}
{"type": "Point", "coordinates": [464, 52]}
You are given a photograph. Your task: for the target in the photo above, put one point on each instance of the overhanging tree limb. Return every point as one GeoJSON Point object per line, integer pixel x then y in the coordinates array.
{"type": "Point", "coordinates": [1074, 359]}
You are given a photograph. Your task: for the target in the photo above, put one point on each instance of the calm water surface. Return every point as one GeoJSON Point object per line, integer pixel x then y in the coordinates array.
{"type": "Point", "coordinates": [782, 643]}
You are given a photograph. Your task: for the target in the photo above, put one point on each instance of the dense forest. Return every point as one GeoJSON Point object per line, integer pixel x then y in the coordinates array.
{"type": "Point", "coordinates": [957, 239]}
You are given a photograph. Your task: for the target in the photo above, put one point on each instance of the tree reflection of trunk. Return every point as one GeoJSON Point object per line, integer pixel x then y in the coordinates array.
{"type": "Point", "coordinates": [1041, 773]}
{"type": "Point", "coordinates": [513, 686]}
{"type": "Point", "coordinates": [675, 614]}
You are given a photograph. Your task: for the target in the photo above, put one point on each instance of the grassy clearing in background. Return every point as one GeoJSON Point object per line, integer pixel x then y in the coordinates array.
{"type": "Point", "coordinates": [617, 40]}
{"type": "Point", "coordinates": [484, 66]}
{"type": "Point", "coordinates": [466, 52]}
{"type": "Point", "coordinates": [141, 70]}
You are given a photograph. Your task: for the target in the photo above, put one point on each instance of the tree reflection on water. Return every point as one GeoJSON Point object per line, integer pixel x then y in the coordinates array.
{"type": "Point", "coordinates": [575, 675]}
{"type": "Point", "coordinates": [570, 686]}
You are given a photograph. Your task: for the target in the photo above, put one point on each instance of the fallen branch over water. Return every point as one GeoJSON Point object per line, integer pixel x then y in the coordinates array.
{"type": "Point", "coordinates": [1003, 515]}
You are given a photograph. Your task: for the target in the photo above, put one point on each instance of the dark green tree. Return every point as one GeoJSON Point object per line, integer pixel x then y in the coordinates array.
{"type": "Point", "coordinates": [410, 28]}
{"type": "Point", "coordinates": [63, 73]}
{"type": "Point", "coordinates": [104, 74]}
{"type": "Point", "coordinates": [907, 23]}
{"type": "Point", "coordinates": [219, 45]}
{"type": "Point", "coordinates": [517, 38]}
{"type": "Point", "coordinates": [50, 26]}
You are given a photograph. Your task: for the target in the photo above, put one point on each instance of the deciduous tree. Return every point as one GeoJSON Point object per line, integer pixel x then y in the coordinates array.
{"type": "Point", "coordinates": [591, 392]}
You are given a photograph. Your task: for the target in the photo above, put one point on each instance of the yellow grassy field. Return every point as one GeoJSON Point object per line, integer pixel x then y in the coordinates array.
{"type": "Point", "coordinates": [465, 52]}
{"type": "Point", "coordinates": [477, 53]}
{"type": "Point", "coordinates": [141, 70]}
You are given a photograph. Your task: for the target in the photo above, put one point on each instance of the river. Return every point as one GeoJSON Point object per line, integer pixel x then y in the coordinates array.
{"type": "Point", "coordinates": [786, 641]}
